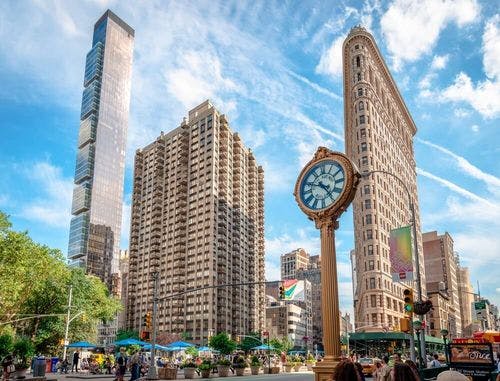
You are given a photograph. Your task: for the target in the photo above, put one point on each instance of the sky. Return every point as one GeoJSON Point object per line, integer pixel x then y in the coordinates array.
{"type": "Point", "coordinates": [275, 69]}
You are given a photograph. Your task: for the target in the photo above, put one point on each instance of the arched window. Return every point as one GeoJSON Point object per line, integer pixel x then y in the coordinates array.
{"type": "Point", "coordinates": [359, 76]}
{"type": "Point", "coordinates": [358, 61]}
{"type": "Point", "coordinates": [361, 106]}
{"type": "Point", "coordinates": [360, 92]}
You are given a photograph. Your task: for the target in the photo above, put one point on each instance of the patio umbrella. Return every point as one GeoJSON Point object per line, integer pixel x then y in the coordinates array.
{"type": "Point", "coordinates": [130, 341]}
{"type": "Point", "coordinates": [157, 347]}
{"type": "Point", "coordinates": [174, 349]}
{"type": "Point", "coordinates": [205, 349]}
{"type": "Point", "coordinates": [81, 344]}
{"type": "Point", "coordinates": [264, 347]}
{"type": "Point", "coordinates": [181, 344]}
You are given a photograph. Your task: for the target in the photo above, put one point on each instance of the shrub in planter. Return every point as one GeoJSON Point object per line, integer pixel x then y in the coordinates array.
{"type": "Point", "coordinates": [205, 367]}
{"type": "Point", "coordinates": [189, 368]}
{"type": "Point", "coordinates": [223, 367]}
{"type": "Point", "coordinates": [239, 364]}
{"type": "Point", "coordinates": [255, 365]}
{"type": "Point", "coordinates": [23, 350]}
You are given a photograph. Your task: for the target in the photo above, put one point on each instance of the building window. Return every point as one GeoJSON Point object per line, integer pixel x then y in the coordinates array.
{"type": "Point", "coordinates": [366, 189]}
{"type": "Point", "coordinates": [373, 300]}
{"type": "Point", "coordinates": [368, 219]}
{"type": "Point", "coordinates": [362, 133]}
{"type": "Point", "coordinates": [360, 92]}
{"type": "Point", "coordinates": [358, 61]}
{"type": "Point", "coordinates": [370, 249]}
{"type": "Point", "coordinates": [368, 204]}
{"type": "Point", "coordinates": [359, 77]}
{"type": "Point", "coordinates": [372, 283]}
{"type": "Point", "coordinates": [364, 147]}
{"type": "Point", "coordinates": [371, 265]}
{"type": "Point", "coordinates": [356, 47]}
{"type": "Point", "coordinates": [361, 119]}
{"type": "Point", "coordinates": [361, 105]}
{"type": "Point", "coordinates": [369, 234]}
{"type": "Point", "coordinates": [364, 160]}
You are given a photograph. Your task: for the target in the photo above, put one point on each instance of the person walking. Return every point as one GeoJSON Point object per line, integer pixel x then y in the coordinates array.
{"type": "Point", "coordinates": [376, 372]}
{"type": "Point", "coordinates": [76, 357]}
{"type": "Point", "coordinates": [403, 372]}
{"type": "Point", "coordinates": [346, 371]}
{"type": "Point", "coordinates": [135, 365]}
{"type": "Point", "coordinates": [385, 370]}
{"type": "Point", "coordinates": [8, 367]}
{"type": "Point", "coordinates": [121, 362]}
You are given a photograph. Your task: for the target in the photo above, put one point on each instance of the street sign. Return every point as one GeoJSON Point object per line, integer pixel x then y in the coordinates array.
{"type": "Point", "coordinates": [480, 305]}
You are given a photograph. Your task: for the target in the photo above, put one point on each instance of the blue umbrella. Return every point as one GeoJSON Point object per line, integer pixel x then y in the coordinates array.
{"type": "Point", "coordinates": [205, 349]}
{"type": "Point", "coordinates": [81, 344]}
{"type": "Point", "coordinates": [265, 347]}
{"type": "Point", "coordinates": [130, 341]}
{"type": "Point", "coordinates": [181, 344]}
{"type": "Point", "coordinates": [157, 346]}
{"type": "Point", "coordinates": [174, 349]}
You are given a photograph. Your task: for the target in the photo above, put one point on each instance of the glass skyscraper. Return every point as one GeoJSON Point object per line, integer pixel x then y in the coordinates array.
{"type": "Point", "coordinates": [94, 238]}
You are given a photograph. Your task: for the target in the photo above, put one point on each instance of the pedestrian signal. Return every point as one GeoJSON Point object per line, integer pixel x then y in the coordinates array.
{"type": "Point", "coordinates": [404, 325]}
{"type": "Point", "coordinates": [282, 292]}
{"type": "Point", "coordinates": [408, 299]}
{"type": "Point", "coordinates": [148, 320]}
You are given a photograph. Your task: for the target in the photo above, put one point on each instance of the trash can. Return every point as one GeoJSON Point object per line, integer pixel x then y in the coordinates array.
{"type": "Point", "coordinates": [48, 365]}
{"type": "Point", "coordinates": [39, 367]}
{"type": "Point", "coordinates": [53, 364]}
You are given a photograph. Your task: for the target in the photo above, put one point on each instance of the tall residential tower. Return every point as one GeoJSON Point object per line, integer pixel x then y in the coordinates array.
{"type": "Point", "coordinates": [94, 238]}
{"type": "Point", "coordinates": [198, 221]}
{"type": "Point", "coordinates": [379, 134]}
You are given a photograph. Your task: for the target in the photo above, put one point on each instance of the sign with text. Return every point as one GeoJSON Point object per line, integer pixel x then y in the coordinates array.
{"type": "Point", "coordinates": [477, 355]}
{"type": "Point", "coordinates": [400, 254]}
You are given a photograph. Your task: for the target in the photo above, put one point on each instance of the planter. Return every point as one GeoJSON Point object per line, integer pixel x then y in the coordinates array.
{"type": "Point", "coordinates": [205, 373]}
{"type": "Point", "coordinates": [275, 369]}
{"type": "Point", "coordinates": [297, 367]}
{"type": "Point", "coordinates": [167, 373]}
{"type": "Point", "coordinates": [309, 366]}
{"type": "Point", "coordinates": [20, 373]}
{"type": "Point", "coordinates": [254, 369]}
{"type": "Point", "coordinates": [240, 371]}
{"type": "Point", "coordinates": [288, 368]}
{"type": "Point", "coordinates": [189, 372]}
{"type": "Point", "coordinates": [223, 370]}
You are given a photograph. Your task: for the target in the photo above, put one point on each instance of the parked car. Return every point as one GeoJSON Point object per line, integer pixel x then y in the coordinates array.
{"type": "Point", "coordinates": [368, 365]}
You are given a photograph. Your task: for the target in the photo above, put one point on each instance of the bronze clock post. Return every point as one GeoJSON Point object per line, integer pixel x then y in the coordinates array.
{"type": "Point", "coordinates": [324, 189]}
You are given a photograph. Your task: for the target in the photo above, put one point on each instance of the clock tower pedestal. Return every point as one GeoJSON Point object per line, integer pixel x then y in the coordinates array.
{"type": "Point", "coordinates": [323, 371]}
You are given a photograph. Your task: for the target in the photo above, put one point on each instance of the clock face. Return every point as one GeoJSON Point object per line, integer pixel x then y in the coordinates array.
{"type": "Point", "coordinates": [322, 185]}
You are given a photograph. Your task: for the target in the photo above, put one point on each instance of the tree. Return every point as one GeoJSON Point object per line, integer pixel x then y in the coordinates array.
{"type": "Point", "coordinates": [250, 341]}
{"type": "Point", "coordinates": [222, 343]}
{"type": "Point", "coordinates": [282, 345]}
{"type": "Point", "coordinates": [46, 292]}
{"type": "Point", "coordinates": [123, 334]}
{"type": "Point", "coordinates": [6, 344]}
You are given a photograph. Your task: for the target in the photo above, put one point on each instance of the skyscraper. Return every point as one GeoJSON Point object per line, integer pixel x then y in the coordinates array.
{"type": "Point", "coordinates": [94, 238]}
{"type": "Point", "coordinates": [198, 221]}
{"type": "Point", "coordinates": [379, 134]}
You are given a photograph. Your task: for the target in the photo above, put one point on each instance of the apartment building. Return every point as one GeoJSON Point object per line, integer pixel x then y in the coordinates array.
{"type": "Point", "coordinates": [198, 221]}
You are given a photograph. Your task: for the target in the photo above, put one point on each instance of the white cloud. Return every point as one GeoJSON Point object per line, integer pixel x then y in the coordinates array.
{"type": "Point", "coordinates": [330, 62]}
{"type": "Point", "coordinates": [315, 86]}
{"type": "Point", "coordinates": [461, 113]}
{"type": "Point", "coordinates": [405, 21]}
{"type": "Point", "coordinates": [484, 96]}
{"type": "Point", "coordinates": [439, 62]}
{"type": "Point", "coordinates": [273, 271]}
{"type": "Point", "coordinates": [53, 203]}
{"type": "Point", "coordinates": [474, 128]}
{"type": "Point", "coordinates": [308, 239]}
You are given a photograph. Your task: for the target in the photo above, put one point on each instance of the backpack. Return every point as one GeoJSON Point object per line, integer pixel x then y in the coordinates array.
{"type": "Point", "coordinates": [121, 360]}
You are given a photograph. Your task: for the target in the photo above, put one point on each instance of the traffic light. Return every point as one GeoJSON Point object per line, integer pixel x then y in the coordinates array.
{"type": "Point", "coordinates": [238, 339]}
{"type": "Point", "coordinates": [404, 325]}
{"type": "Point", "coordinates": [282, 292]}
{"type": "Point", "coordinates": [147, 321]}
{"type": "Point", "coordinates": [408, 299]}
{"type": "Point", "coordinates": [145, 335]}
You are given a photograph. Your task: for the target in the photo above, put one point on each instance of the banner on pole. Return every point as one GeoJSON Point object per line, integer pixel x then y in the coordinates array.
{"type": "Point", "coordinates": [401, 254]}
{"type": "Point", "coordinates": [294, 289]}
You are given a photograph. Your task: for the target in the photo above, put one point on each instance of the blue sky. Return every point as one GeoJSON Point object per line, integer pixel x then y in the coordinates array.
{"type": "Point", "coordinates": [274, 67]}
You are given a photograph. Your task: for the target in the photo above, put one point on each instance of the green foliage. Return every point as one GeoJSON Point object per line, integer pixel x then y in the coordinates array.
{"type": "Point", "coordinates": [6, 344]}
{"type": "Point", "coordinates": [123, 334]}
{"type": "Point", "coordinates": [186, 336]}
{"type": "Point", "coordinates": [222, 343]}
{"type": "Point", "coordinates": [188, 363]}
{"type": "Point", "coordinates": [205, 365]}
{"type": "Point", "coordinates": [23, 350]}
{"type": "Point", "coordinates": [46, 292]}
{"type": "Point", "coordinates": [240, 362]}
{"type": "Point", "coordinates": [255, 361]}
{"type": "Point", "coordinates": [224, 362]}
{"type": "Point", "coordinates": [193, 351]}
{"type": "Point", "coordinates": [310, 358]}
{"type": "Point", "coordinates": [250, 341]}
{"type": "Point", "coordinates": [282, 345]}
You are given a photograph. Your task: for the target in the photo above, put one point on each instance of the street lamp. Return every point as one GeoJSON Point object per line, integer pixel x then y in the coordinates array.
{"type": "Point", "coordinates": [415, 249]}
{"type": "Point", "coordinates": [417, 326]}
{"type": "Point", "coordinates": [444, 333]}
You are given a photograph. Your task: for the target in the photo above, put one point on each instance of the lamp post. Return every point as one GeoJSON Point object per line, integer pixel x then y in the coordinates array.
{"type": "Point", "coordinates": [444, 333]}
{"type": "Point", "coordinates": [415, 250]}
{"type": "Point", "coordinates": [417, 326]}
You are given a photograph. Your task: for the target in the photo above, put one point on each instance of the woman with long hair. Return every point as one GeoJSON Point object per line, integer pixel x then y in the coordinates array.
{"type": "Point", "coordinates": [346, 371]}
{"type": "Point", "coordinates": [403, 372]}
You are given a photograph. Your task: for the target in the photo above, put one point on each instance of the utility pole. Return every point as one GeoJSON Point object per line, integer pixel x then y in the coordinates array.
{"type": "Point", "coordinates": [67, 322]}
